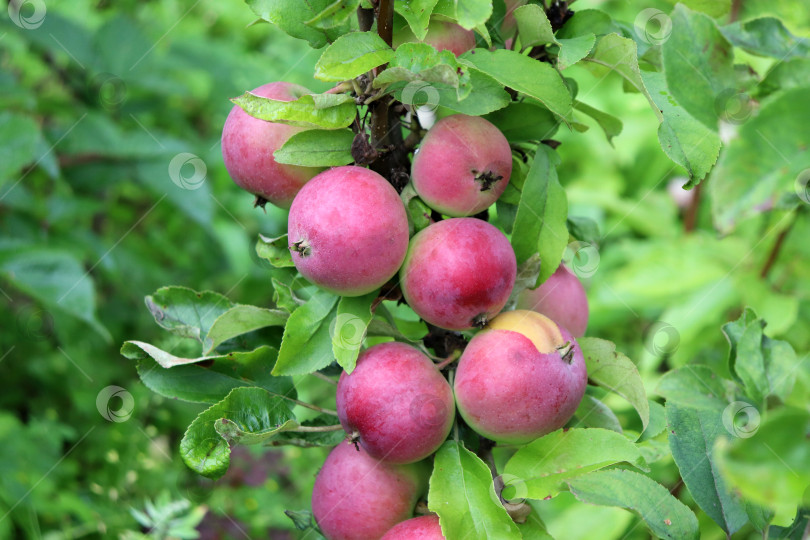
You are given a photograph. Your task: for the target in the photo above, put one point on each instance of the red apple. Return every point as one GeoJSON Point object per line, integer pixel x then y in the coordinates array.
{"type": "Point", "coordinates": [418, 528]}
{"type": "Point", "coordinates": [348, 231]}
{"type": "Point", "coordinates": [248, 145]}
{"type": "Point", "coordinates": [561, 298]}
{"type": "Point", "coordinates": [396, 402]}
{"type": "Point", "coordinates": [458, 273]}
{"type": "Point", "coordinates": [462, 165]}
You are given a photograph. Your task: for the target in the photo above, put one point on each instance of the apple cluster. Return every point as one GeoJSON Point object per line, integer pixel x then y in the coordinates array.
{"type": "Point", "coordinates": [522, 374]}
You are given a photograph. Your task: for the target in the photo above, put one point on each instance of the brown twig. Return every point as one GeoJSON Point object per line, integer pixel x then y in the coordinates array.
{"type": "Point", "coordinates": [690, 216]}
{"type": "Point", "coordinates": [774, 254]}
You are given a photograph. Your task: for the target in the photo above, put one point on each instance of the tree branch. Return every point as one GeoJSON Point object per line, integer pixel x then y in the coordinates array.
{"type": "Point", "coordinates": [777, 247]}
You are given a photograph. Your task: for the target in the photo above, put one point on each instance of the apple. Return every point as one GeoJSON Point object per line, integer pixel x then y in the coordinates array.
{"type": "Point", "coordinates": [458, 273]}
{"type": "Point", "coordinates": [356, 497]}
{"type": "Point", "coordinates": [348, 231]}
{"type": "Point", "coordinates": [248, 145]}
{"type": "Point", "coordinates": [396, 403]}
{"type": "Point", "coordinates": [520, 378]}
{"type": "Point", "coordinates": [561, 298]}
{"type": "Point", "coordinates": [418, 528]}
{"type": "Point", "coordinates": [462, 165]}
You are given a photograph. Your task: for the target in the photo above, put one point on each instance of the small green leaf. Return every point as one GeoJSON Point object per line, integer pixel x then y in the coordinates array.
{"type": "Point", "coordinates": [336, 14]}
{"type": "Point", "coordinates": [327, 111]}
{"type": "Point", "coordinates": [468, 13]}
{"type": "Point", "coordinates": [418, 211]}
{"type": "Point", "coordinates": [198, 384]}
{"type": "Point", "coordinates": [533, 25]}
{"type": "Point", "coordinates": [611, 125]}
{"type": "Point", "coordinates": [284, 297]}
{"type": "Point", "coordinates": [241, 319]}
{"type": "Point", "coordinates": [417, 13]}
{"type": "Point", "coordinates": [462, 493]}
{"type": "Point", "coordinates": [574, 49]}
{"type": "Point", "coordinates": [275, 250]}
{"type": "Point", "coordinates": [693, 433]}
{"type": "Point", "coordinates": [666, 516]}
{"type": "Point", "coordinates": [135, 350]}
{"type": "Point", "coordinates": [612, 370]}
{"type": "Point", "coordinates": [698, 63]}
{"type": "Point", "coordinates": [534, 79]}
{"type": "Point", "coordinates": [541, 468]}
{"type": "Point", "coordinates": [541, 215]}
{"type": "Point", "coordinates": [292, 18]}
{"type": "Point", "coordinates": [185, 312]}
{"type": "Point", "coordinates": [592, 413]}
{"type": "Point", "coordinates": [694, 386]}
{"type": "Point", "coordinates": [317, 148]}
{"type": "Point", "coordinates": [256, 416]}
{"type": "Point", "coordinates": [489, 95]}
{"type": "Point", "coordinates": [352, 55]}
{"type": "Point", "coordinates": [306, 345]}
{"type": "Point", "coordinates": [351, 324]}
{"type": "Point", "coordinates": [766, 36]}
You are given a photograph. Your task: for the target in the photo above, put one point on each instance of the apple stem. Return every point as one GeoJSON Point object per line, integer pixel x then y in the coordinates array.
{"type": "Point", "coordinates": [455, 355]}
{"type": "Point", "coordinates": [566, 351]}
{"type": "Point", "coordinates": [313, 407]}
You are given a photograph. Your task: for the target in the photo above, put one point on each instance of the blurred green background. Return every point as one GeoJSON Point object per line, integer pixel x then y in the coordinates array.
{"type": "Point", "coordinates": [107, 109]}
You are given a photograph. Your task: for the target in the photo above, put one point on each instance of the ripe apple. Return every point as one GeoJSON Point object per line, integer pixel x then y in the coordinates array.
{"type": "Point", "coordinates": [348, 231]}
{"type": "Point", "coordinates": [561, 298]}
{"type": "Point", "coordinates": [520, 378]}
{"type": "Point", "coordinates": [356, 497]}
{"type": "Point", "coordinates": [418, 528]}
{"type": "Point", "coordinates": [248, 145]}
{"type": "Point", "coordinates": [442, 35]}
{"type": "Point", "coordinates": [462, 165]}
{"type": "Point", "coordinates": [458, 273]}
{"type": "Point", "coordinates": [397, 404]}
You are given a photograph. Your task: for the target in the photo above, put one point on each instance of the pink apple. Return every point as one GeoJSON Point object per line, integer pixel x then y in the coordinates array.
{"type": "Point", "coordinates": [561, 298]}
{"type": "Point", "coordinates": [418, 528]}
{"type": "Point", "coordinates": [397, 403]}
{"type": "Point", "coordinates": [462, 165]}
{"type": "Point", "coordinates": [348, 231]}
{"type": "Point", "coordinates": [356, 497]}
{"type": "Point", "coordinates": [520, 378]}
{"type": "Point", "coordinates": [458, 273]}
{"type": "Point", "coordinates": [248, 145]}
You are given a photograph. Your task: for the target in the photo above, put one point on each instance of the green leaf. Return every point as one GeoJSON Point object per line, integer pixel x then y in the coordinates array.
{"type": "Point", "coordinates": [541, 468]}
{"type": "Point", "coordinates": [537, 80]}
{"type": "Point", "coordinates": [462, 493]}
{"type": "Point", "coordinates": [698, 62]}
{"type": "Point", "coordinates": [327, 111]}
{"type": "Point", "coordinates": [616, 53]}
{"type": "Point", "coordinates": [686, 141]}
{"type": "Point", "coordinates": [592, 413]}
{"type": "Point", "coordinates": [292, 18]}
{"type": "Point", "coordinates": [541, 215]}
{"type": "Point", "coordinates": [284, 297]}
{"type": "Point", "coordinates": [135, 350]}
{"type": "Point", "coordinates": [255, 415]}
{"type": "Point", "coordinates": [769, 464]}
{"type": "Point", "coordinates": [665, 515]}
{"type": "Point", "coordinates": [612, 370]}
{"type": "Point", "coordinates": [764, 161]}
{"type": "Point", "coordinates": [418, 211]}
{"type": "Point", "coordinates": [58, 280]}
{"type": "Point", "coordinates": [317, 148]}
{"type": "Point", "coordinates": [306, 345]}
{"type": "Point", "coordinates": [574, 49]}
{"type": "Point", "coordinates": [420, 62]}
{"type": "Point", "coordinates": [417, 13]}
{"type": "Point", "coordinates": [524, 121]}
{"type": "Point", "coordinates": [468, 13]}
{"type": "Point", "coordinates": [785, 75]}
{"type": "Point", "coordinates": [488, 96]}
{"type": "Point", "coordinates": [198, 384]}
{"type": "Point", "coordinates": [766, 36]}
{"type": "Point", "coordinates": [241, 319]}
{"type": "Point", "coordinates": [185, 312]}
{"type": "Point", "coordinates": [534, 528]}
{"type": "Point", "coordinates": [611, 125]}
{"type": "Point", "coordinates": [657, 423]}
{"type": "Point", "coordinates": [584, 229]}
{"type": "Point", "coordinates": [533, 25]}
{"type": "Point", "coordinates": [694, 386]}
{"type": "Point", "coordinates": [275, 250]}
{"type": "Point", "coordinates": [351, 324]}
{"type": "Point", "coordinates": [692, 434]}
{"type": "Point", "coordinates": [352, 55]}
{"type": "Point", "coordinates": [336, 14]}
